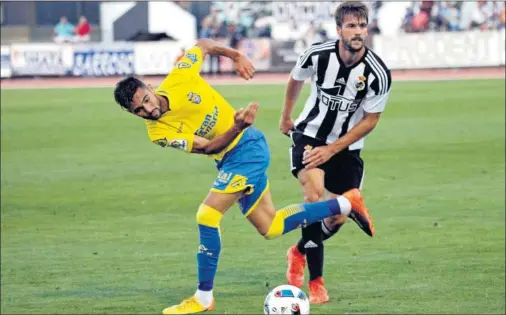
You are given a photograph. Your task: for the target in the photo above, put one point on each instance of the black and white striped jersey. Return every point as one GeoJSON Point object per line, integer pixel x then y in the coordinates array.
{"type": "Point", "coordinates": [339, 94]}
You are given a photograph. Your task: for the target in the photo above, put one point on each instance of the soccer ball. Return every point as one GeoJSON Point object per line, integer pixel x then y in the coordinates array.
{"type": "Point", "coordinates": [286, 299]}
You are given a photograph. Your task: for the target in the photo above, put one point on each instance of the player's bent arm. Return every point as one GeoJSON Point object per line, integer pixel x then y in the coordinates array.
{"type": "Point", "coordinates": [292, 93]}
{"type": "Point", "coordinates": [212, 47]}
{"type": "Point", "coordinates": [362, 129]}
{"type": "Point", "coordinates": [217, 144]}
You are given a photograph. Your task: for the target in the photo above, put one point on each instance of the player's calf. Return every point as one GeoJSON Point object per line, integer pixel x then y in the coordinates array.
{"type": "Point", "coordinates": [208, 220]}
{"type": "Point", "coordinates": [295, 216]}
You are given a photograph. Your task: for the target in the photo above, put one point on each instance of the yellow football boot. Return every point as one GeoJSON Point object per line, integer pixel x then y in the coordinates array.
{"type": "Point", "coordinates": [188, 306]}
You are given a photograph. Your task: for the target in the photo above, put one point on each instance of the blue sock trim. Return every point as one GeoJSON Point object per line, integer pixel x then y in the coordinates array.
{"type": "Point", "coordinates": [206, 285]}
{"type": "Point", "coordinates": [334, 206]}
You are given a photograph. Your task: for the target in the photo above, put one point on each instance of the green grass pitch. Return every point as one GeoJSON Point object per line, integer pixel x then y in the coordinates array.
{"type": "Point", "coordinates": [95, 219]}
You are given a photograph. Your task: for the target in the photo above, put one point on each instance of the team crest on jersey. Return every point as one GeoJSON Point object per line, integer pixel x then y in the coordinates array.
{"type": "Point", "coordinates": [183, 65]}
{"type": "Point", "coordinates": [360, 83]}
{"type": "Point", "coordinates": [192, 57]}
{"type": "Point", "coordinates": [194, 98]}
{"type": "Point", "coordinates": [162, 142]}
{"type": "Point", "coordinates": [238, 182]}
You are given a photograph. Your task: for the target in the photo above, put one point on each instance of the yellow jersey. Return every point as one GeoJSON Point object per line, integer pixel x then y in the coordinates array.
{"type": "Point", "coordinates": [195, 108]}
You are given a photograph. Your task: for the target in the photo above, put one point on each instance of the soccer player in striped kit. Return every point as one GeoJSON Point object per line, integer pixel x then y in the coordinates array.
{"type": "Point", "coordinates": [350, 86]}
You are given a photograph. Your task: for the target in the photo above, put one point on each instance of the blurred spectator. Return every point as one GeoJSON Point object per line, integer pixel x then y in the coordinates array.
{"type": "Point", "coordinates": [315, 34]}
{"type": "Point", "coordinates": [311, 36]}
{"type": "Point", "coordinates": [263, 24]}
{"type": "Point", "coordinates": [295, 32]}
{"type": "Point", "coordinates": [373, 17]}
{"type": "Point", "coordinates": [63, 31]}
{"type": "Point", "coordinates": [420, 22]}
{"type": "Point", "coordinates": [448, 17]}
{"type": "Point", "coordinates": [264, 19]}
{"type": "Point", "coordinates": [215, 24]}
{"type": "Point", "coordinates": [82, 30]}
{"type": "Point", "coordinates": [453, 16]}
{"type": "Point", "coordinates": [206, 30]}
{"type": "Point", "coordinates": [502, 18]}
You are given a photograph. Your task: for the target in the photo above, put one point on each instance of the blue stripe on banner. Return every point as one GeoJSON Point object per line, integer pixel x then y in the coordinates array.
{"type": "Point", "coordinates": [103, 63]}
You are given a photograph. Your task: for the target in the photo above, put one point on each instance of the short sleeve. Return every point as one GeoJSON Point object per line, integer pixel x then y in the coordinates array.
{"type": "Point", "coordinates": [189, 64]}
{"type": "Point", "coordinates": [168, 137]}
{"type": "Point", "coordinates": [304, 67]}
{"type": "Point", "coordinates": [378, 94]}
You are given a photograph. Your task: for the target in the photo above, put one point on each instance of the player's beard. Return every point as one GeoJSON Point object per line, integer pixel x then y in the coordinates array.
{"type": "Point", "coordinates": [160, 111]}
{"type": "Point", "coordinates": [348, 44]}
{"type": "Point", "coordinates": [152, 117]}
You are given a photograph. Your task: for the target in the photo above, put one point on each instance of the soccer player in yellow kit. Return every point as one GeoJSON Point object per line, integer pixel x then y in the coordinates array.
{"type": "Point", "coordinates": [186, 113]}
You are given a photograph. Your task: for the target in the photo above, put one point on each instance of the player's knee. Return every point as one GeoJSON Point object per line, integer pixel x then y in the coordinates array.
{"type": "Point", "coordinates": [208, 216]}
{"type": "Point", "coordinates": [276, 228]}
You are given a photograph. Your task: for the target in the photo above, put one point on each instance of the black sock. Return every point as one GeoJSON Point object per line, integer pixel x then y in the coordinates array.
{"type": "Point", "coordinates": [311, 244]}
{"type": "Point", "coordinates": [328, 233]}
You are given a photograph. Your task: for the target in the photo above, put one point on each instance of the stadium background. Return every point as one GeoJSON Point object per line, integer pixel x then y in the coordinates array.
{"type": "Point", "coordinates": [403, 33]}
{"type": "Point", "coordinates": [95, 219]}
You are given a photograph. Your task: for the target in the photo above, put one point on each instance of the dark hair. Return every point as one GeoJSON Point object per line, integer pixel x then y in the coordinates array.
{"type": "Point", "coordinates": [355, 8]}
{"type": "Point", "coordinates": [125, 90]}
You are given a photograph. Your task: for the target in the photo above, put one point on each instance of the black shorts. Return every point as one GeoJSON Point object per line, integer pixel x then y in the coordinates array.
{"type": "Point", "coordinates": [343, 171]}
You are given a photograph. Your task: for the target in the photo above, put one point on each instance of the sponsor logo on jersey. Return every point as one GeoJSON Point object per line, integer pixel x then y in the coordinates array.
{"type": "Point", "coordinates": [180, 144]}
{"type": "Point", "coordinates": [183, 65]}
{"type": "Point", "coordinates": [208, 123]}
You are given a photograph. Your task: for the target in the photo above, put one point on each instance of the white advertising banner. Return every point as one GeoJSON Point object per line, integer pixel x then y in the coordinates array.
{"type": "Point", "coordinates": [156, 58]}
{"type": "Point", "coordinates": [5, 62]}
{"type": "Point", "coordinates": [442, 50]}
{"type": "Point", "coordinates": [41, 59]}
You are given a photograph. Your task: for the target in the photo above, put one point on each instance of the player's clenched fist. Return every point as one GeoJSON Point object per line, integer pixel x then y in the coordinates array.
{"type": "Point", "coordinates": [244, 67]}
{"type": "Point", "coordinates": [286, 126]}
{"type": "Point", "coordinates": [245, 117]}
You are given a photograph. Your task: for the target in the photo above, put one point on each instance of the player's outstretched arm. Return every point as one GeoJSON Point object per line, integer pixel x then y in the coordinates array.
{"type": "Point", "coordinates": [243, 118]}
{"type": "Point", "coordinates": [244, 67]}
{"type": "Point", "coordinates": [292, 93]}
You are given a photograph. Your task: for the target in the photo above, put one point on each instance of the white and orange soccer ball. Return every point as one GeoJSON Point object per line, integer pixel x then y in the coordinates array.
{"type": "Point", "coordinates": [286, 299]}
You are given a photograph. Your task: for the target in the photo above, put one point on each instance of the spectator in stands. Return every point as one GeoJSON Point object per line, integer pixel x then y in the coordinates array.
{"type": "Point", "coordinates": [63, 31]}
{"type": "Point", "coordinates": [471, 17]}
{"type": "Point", "coordinates": [263, 24]}
{"type": "Point", "coordinates": [82, 30]}
{"type": "Point", "coordinates": [448, 17]}
{"type": "Point", "coordinates": [294, 30]}
{"type": "Point", "coordinates": [502, 18]}
{"type": "Point", "coordinates": [214, 25]}
{"type": "Point", "coordinates": [408, 18]}
{"type": "Point", "coordinates": [311, 36]}
{"type": "Point", "coordinates": [427, 7]}
{"type": "Point", "coordinates": [373, 24]}
{"type": "Point", "coordinates": [420, 22]}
